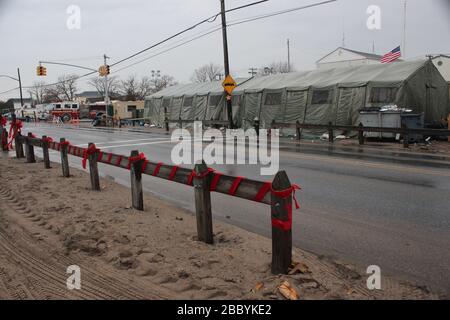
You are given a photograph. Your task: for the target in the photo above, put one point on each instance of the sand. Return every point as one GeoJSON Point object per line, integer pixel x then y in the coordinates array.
{"type": "Point", "coordinates": [48, 223]}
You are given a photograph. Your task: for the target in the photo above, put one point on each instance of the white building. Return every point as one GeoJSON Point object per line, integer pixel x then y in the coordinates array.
{"type": "Point", "coordinates": [17, 104]}
{"type": "Point", "coordinates": [343, 57]}
{"type": "Point", "coordinates": [442, 62]}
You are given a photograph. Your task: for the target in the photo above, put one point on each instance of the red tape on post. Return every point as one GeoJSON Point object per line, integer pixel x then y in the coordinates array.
{"type": "Point", "coordinates": [109, 158]}
{"type": "Point", "coordinates": [87, 152]}
{"type": "Point", "coordinates": [287, 193]}
{"type": "Point", "coordinates": [133, 160]}
{"type": "Point", "coordinates": [198, 176]}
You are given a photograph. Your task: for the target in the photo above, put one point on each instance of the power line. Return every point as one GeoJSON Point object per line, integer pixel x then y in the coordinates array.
{"type": "Point", "coordinates": [234, 22]}
{"type": "Point", "coordinates": [209, 20]}
{"type": "Point", "coordinates": [250, 19]}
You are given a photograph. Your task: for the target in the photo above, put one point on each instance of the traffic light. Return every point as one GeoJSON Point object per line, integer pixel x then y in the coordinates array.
{"type": "Point", "coordinates": [41, 71]}
{"type": "Point", "coordinates": [104, 70]}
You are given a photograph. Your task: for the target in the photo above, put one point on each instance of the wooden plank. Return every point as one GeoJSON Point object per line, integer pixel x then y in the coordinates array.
{"type": "Point", "coordinates": [203, 204]}
{"type": "Point", "coordinates": [281, 236]}
{"type": "Point", "coordinates": [30, 149]}
{"type": "Point", "coordinates": [64, 158]}
{"type": "Point", "coordinates": [45, 153]}
{"type": "Point", "coordinates": [137, 195]}
{"type": "Point", "coordinates": [93, 170]}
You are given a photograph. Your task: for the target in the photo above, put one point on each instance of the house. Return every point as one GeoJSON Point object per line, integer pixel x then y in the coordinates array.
{"type": "Point", "coordinates": [87, 97]}
{"type": "Point", "coordinates": [343, 57]}
{"type": "Point", "coordinates": [128, 109]}
{"type": "Point", "coordinates": [16, 103]}
{"type": "Point", "coordinates": [442, 63]}
{"type": "Point", "coordinates": [314, 97]}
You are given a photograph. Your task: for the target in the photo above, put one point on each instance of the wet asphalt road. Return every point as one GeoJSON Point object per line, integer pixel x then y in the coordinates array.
{"type": "Point", "coordinates": [362, 211]}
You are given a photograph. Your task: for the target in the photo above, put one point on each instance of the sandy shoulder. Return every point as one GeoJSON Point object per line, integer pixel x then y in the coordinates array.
{"type": "Point", "coordinates": [48, 223]}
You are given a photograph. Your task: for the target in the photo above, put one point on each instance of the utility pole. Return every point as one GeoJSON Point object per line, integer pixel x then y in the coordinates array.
{"type": "Point", "coordinates": [289, 55]}
{"type": "Point", "coordinates": [226, 60]}
{"type": "Point", "coordinates": [106, 84]}
{"type": "Point", "coordinates": [253, 71]}
{"type": "Point", "coordinates": [20, 86]}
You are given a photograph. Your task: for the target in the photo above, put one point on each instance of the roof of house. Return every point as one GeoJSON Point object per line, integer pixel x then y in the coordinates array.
{"type": "Point", "coordinates": [366, 55]}
{"type": "Point", "coordinates": [14, 100]}
{"type": "Point", "coordinates": [89, 94]}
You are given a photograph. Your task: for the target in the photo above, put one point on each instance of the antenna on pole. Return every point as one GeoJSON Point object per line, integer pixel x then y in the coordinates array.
{"type": "Point", "coordinates": [289, 54]}
{"type": "Point", "coordinates": [405, 5]}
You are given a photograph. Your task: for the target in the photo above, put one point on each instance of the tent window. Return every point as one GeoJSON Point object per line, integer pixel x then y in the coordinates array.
{"type": "Point", "coordinates": [321, 97]}
{"type": "Point", "coordinates": [273, 99]}
{"type": "Point", "coordinates": [383, 95]}
{"type": "Point", "coordinates": [166, 103]}
{"type": "Point", "coordinates": [214, 100]}
{"type": "Point", "coordinates": [188, 102]}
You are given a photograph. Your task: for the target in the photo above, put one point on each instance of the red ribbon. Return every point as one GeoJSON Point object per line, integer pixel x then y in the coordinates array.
{"type": "Point", "coordinates": [14, 129]}
{"type": "Point", "coordinates": [235, 186]}
{"type": "Point", "coordinates": [133, 160]}
{"type": "Point", "coordinates": [156, 171]}
{"type": "Point", "coordinates": [87, 152]}
{"type": "Point", "coordinates": [263, 191]}
{"type": "Point", "coordinates": [283, 194]}
{"type": "Point", "coordinates": [119, 161]}
{"type": "Point", "coordinates": [3, 121]}
{"type": "Point", "coordinates": [173, 173]}
{"type": "Point", "coordinates": [144, 165]}
{"type": "Point", "coordinates": [215, 180]}
{"type": "Point", "coordinates": [198, 176]}
{"type": "Point", "coordinates": [47, 140]}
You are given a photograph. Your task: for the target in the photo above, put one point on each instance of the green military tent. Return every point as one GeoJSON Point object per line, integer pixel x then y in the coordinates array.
{"type": "Point", "coordinates": [313, 97]}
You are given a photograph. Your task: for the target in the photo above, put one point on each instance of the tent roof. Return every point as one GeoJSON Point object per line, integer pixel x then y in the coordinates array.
{"type": "Point", "coordinates": [356, 76]}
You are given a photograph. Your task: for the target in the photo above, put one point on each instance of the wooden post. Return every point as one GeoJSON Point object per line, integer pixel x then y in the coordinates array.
{"type": "Point", "coordinates": [45, 152]}
{"type": "Point", "coordinates": [93, 170]}
{"type": "Point", "coordinates": [203, 204]}
{"type": "Point", "coordinates": [4, 138]}
{"type": "Point", "coordinates": [299, 132]}
{"type": "Point", "coordinates": [361, 134]}
{"type": "Point", "coordinates": [137, 195]}
{"type": "Point", "coordinates": [30, 149]}
{"type": "Point", "coordinates": [281, 237]}
{"type": "Point", "coordinates": [330, 133]}
{"type": "Point", "coordinates": [18, 145]}
{"type": "Point", "coordinates": [166, 122]}
{"type": "Point", "coordinates": [448, 124]}
{"type": "Point", "coordinates": [64, 158]}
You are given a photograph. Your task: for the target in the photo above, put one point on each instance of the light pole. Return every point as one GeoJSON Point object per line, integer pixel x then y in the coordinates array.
{"type": "Point", "coordinates": [226, 60]}
{"type": "Point", "coordinates": [18, 80]}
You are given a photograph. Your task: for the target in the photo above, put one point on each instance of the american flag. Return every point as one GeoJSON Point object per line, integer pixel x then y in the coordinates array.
{"type": "Point", "coordinates": [392, 56]}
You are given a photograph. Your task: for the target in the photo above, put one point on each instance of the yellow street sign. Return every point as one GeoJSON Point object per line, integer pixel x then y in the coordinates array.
{"type": "Point", "coordinates": [229, 84]}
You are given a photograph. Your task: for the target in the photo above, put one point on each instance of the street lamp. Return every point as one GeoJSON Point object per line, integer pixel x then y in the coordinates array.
{"type": "Point", "coordinates": [20, 84]}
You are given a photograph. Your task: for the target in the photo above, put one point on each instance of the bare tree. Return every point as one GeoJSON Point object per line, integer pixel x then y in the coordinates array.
{"type": "Point", "coordinates": [276, 68]}
{"type": "Point", "coordinates": [163, 82]}
{"type": "Point", "coordinates": [67, 87]}
{"type": "Point", "coordinates": [99, 84]}
{"type": "Point", "coordinates": [38, 91]}
{"type": "Point", "coordinates": [207, 73]}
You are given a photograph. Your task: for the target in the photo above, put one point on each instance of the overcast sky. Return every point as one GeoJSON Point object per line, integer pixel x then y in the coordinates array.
{"type": "Point", "coordinates": [33, 30]}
